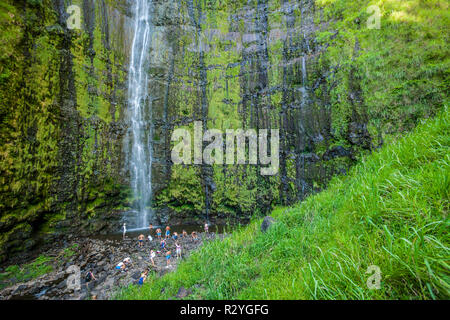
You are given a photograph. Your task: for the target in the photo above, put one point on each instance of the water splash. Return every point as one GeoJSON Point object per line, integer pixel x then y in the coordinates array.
{"type": "Point", "coordinates": [140, 116]}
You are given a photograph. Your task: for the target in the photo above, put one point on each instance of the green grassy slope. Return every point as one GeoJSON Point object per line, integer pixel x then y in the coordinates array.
{"type": "Point", "coordinates": [391, 211]}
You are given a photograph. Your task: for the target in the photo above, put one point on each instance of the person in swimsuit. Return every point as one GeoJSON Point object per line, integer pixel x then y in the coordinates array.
{"type": "Point", "coordinates": [124, 230]}
{"type": "Point", "coordinates": [150, 227]}
{"type": "Point", "coordinates": [141, 240]}
{"type": "Point", "coordinates": [194, 236]}
{"type": "Point", "coordinates": [184, 235]}
{"type": "Point", "coordinates": [158, 233]}
{"type": "Point", "coordinates": [152, 256]}
{"type": "Point", "coordinates": [175, 236]}
{"type": "Point", "coordinates": [178, 246]}
{"type": "Point", "coordinates": [167, 232]}
{"type": "Point", "coordinates": [206, 227]}
{"type": "Point", "coordinates": [163, 244]}
{"type": "Point", "coordinates": [127, 261]}
{"type": "Point", "coordinates": [143, 278]}
{"type": "Point", "coordinates": [121, 266]}
{"type": "Point", "coordinates": [168, 258]}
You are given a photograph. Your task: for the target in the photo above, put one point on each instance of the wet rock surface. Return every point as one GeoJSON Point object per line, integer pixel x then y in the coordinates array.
{"type": "Point", "coordinates": [67, 281]}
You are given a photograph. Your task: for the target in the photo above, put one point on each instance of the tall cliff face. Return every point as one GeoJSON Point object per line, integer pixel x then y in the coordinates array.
{"type": "Point", "coordinates": [230, 65]}
{"type": "Point", "coordinates": [314, 69]}
{"type": "Point", "coordinates": [63, 96]}
{"type": "Point", "coordinates": [317, 70]}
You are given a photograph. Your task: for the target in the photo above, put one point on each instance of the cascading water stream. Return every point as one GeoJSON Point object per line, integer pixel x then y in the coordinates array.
{"type": "Point", "coordinates": [304, 89]}
{"type": "Point", "coordinates": [140, 105]}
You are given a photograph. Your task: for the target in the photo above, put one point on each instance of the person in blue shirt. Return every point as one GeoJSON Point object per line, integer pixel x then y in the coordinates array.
{"type": "Point", "coordinates": [158, 233]}
{"type": "Point", "coordinates": [143, 278]}
{"type": "Point", "coordinates": [168, 255]}
{"type": "Point", "coordinates": [163, 244]}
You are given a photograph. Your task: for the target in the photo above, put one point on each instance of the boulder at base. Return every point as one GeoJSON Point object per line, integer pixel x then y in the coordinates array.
{"type": "Point", "coordinates": [268, 221]}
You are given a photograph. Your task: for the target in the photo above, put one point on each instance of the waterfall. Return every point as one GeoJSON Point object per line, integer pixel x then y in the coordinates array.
{"type": "Point", "coordinates": [304, 80]}
{"type": "Point", "coordinates": [139, 112]}
{"type": "Point", "coordinates": [304, 89]}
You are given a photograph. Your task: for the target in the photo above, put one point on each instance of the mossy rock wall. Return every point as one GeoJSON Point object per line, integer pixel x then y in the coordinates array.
{"type": "Point", "coordinates": [62, 99]}
{"type": "Point", "coordinates": [334, 87]}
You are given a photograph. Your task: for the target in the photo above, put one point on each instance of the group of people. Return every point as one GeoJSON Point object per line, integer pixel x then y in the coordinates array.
{"type": "Point", "coordinates": [122, 266]}
{"type": "Point", "coordinates": [125, 263]}
{"type": "Point", "coordinates": [175, 235]}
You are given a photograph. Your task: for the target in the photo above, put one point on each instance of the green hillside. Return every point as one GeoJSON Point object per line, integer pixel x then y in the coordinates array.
{"type": "Point", "coordinates": [390, 211]}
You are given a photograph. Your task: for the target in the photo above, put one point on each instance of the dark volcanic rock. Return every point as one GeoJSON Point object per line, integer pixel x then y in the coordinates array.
{"type": "Point", "coordinates": [100, 257]}
{"type": "Point", "coordinates": [268, 221]}
{"type": "Point", "coordinates": [183, 293]}
{"type": "Point", "coordinates": [336, 152]}
{"type": "Point", "coordinates": [136, 275]}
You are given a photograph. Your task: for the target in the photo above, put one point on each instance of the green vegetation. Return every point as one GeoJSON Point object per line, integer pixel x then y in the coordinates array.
{"type": "Point", "coordinates": [15, 273]}
{"type": "Point", "coordinates": [40, 266]}
{"type": "Point", "coordinates": [68, 252]}
{"type": "Point", "coordinates": [391, 211]}
{"type": "Point", "coordinates": [402, 68]}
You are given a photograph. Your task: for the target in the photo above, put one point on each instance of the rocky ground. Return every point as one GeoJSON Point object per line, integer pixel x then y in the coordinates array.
{"type": "Point", "coordinates": [100, 257]}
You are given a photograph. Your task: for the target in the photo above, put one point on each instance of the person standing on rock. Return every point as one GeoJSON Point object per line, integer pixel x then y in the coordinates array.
{"type": "Point", "coordinates": [168, 255]}
{"type": "Point", "coordinates": [194, 236]}
{"type": "Point", "coordinates": [163, 244]}
{"type": "Point", "coordinates": [141, 240]}
{"type": "Point", "coordinates": [158, 233]}
{"type": "Point", "coordinates": [167, 232]}
{"type": "Point", "coordinates": [124, 230]}
{"type": "Point", "coordinates": [89, 277]}
{"type": "Point", "coordinates": [152, 256]}
{"type": "Point", "coordinates": [178, 246]}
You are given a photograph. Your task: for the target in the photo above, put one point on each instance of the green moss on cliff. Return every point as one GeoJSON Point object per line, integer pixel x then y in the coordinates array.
{"type": "Point", "coordinates": [42, 116]}
{"type": "Point", "coordinates": [402, 67]}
